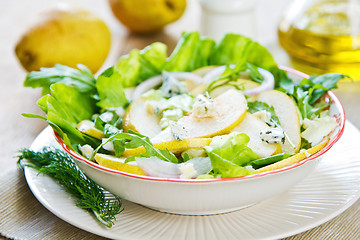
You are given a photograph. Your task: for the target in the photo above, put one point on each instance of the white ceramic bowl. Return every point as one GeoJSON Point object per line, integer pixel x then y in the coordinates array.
{"type": "Point", "coordinates": [210, 196]}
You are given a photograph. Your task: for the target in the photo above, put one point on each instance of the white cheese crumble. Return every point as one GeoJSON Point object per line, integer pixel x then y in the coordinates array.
{"type": "Point", "coordinates": [179, 132]}
{"type": "Point", "coordinates": [272, 135]}
{"type": "Point", "coordinates": [203, 106]}
{"type": "Point", "coordinates": [86, 150]}
{"type": "Point", "coordinates": [106, 116]}
{"type": "Point", "coordinates": [187, 171]}
{"type": "Point", "coordinates": [171, 86]}
{"type": "Point", "coordinates": [317, 129]}
{"type": "Point", "coordinates": [107, 146]}
{"type": "Point", "coordinates": [170, 115]}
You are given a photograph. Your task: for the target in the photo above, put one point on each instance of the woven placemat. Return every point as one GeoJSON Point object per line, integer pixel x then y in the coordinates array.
{"type": "Point", "coordinates": [23, 217]}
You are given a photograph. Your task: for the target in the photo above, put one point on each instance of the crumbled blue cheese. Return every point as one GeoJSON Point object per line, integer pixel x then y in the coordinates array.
{"type": "Point", "coordinates": [170, 115]}
{"type": "Point", "coordinates": [272, 135]}
{"type": "Point", "coordinates": [109, 146]}
{"type": "Point", "coordinates": [187, 170]}
{"type": "Point", "coordinates": [86, 150]}
{"type": "Point", "coordinates": [171, 86]}
{"type": "Point", "coordinates": [203, 106]}
{"type": "Point", "coordinates": [179, 132]}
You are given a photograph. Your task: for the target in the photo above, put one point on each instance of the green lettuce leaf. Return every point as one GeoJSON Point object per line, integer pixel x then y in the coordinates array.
{"type": "Point", "coordinates": [191, 52]}
{"type": "Point", "coordinates": [83, 80]}
{"type": "Point", "coordinates": [234, 48]}
{"type": "Point", "coordinates": [65, 107]}
{"type": "Point", "coordinates": [140, 65]}
{"type": "Point", "coordinates": [110, 89]}
{"type": "Point", "coordinates": [225, 168]}
{"type": "Point", "coordinates": [229, 153]}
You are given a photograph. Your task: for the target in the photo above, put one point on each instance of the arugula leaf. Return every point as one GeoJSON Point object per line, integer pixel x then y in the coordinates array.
{"type": "Point", "coordinates": [232, 74]}
{"type": "Point", "coordinates": [257, 106]}
{"type": "Point", "coordinates": [83, 80]}
{"type": "Point", "coordinates": [191, 52]}
{"type": "Point", "coordinates": [305, 144]}
{"type": "Point", "coordinates": [122, 140]}
{"type": "Point", "coordinates": [308, 92]}
{"type": "Point", "coordinates": [321, 84]}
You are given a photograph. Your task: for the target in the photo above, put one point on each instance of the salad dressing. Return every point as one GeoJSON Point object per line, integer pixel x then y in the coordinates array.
{"type": "Point", "coordinates": [323, 36]}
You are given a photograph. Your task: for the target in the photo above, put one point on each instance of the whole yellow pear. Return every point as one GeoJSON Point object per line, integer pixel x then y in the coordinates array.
{"type": "Point", "coordinates": [67, 36]}
{"type": "Point", "coordinates": [147, 16]}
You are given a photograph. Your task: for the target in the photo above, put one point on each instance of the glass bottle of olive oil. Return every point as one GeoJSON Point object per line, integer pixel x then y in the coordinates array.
{"type": "Point", "coordinates": [323, 36]}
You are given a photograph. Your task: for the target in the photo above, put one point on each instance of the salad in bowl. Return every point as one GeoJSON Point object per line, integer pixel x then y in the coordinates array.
{"type": "Point", "coordinates": [209, 121]}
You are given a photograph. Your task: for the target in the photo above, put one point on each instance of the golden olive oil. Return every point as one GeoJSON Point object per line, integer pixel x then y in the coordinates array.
{"type": "Point", "coordinates": [324, 38]}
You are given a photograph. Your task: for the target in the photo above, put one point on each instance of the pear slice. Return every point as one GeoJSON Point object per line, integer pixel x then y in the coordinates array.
{"type": "Point", "coordinates": [173, 146]}
{"type": "Point", "coordinates": [294, 159]}
{"type": "Point", "coordinates": [241, 83]}
{"type": "Point", "coordinates": [139, 119]}
{"type": "Point", "coordinates": [113, 162]}
{"type": "Point", "coordinates": [204, 70]}
{"type": "Point", "coordinates": [88, 127]}
{"type": "Point", "coordinates": [287, 113]}
{"type": "Point", "coordinates": [230, 109]}
{"type": "Point", "coordinates": [251, 125]}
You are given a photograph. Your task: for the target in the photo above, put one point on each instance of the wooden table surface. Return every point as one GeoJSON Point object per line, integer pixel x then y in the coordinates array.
{"type": "Point", "coordinates": [19, 132]}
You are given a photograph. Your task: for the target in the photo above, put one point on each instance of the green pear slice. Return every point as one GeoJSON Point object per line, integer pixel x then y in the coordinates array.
{"type": "Point", "coordinates": [287, 112]}
{"type": "Point", "coordinates": [252, 126]}
{"type": "Point", "coordinates": [230, 109]}
{"type": "Point", "coordinates": [139, 119]}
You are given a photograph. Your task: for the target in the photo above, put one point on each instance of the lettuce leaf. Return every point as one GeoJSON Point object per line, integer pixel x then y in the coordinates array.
{"type": "Point", "coordinates": [191, 52]}
{"type": "Point", "coordinates": [229, 153]}
{"type": "Point", "coordinates": [110, 89]}
{"type": "Point", "coordinates": [65, 107]}
{"type": "Point", "coordinates": [140, 65]}
{"type": "Point", "coordinates": [234, 48]}
{"type": "Point", "coordinates": [225, 168]}
{"type": "Point", "coordinates": [83, 80]}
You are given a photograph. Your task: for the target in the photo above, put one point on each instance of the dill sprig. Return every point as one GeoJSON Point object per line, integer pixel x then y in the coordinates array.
{"type": "Point", "coordinates": [90, 196]}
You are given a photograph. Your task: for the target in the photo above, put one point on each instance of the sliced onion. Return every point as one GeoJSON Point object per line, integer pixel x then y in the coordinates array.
{"type": "Point", "coordinates": [215, 73]}
{"type": "Point", "coordinates": [267, 84]}
{"type": "Point", "coordinates": [156, 167]}
{"type": "Point", "coordinates": [157, 80]}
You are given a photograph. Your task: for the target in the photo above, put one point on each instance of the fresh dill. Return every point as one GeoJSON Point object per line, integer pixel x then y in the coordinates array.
{"type": "Point", "coordinates": [90, 196]}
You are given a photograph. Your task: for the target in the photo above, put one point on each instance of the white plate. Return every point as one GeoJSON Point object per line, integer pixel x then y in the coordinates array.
{"type": "Point", "coordinates": [332, 188]}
